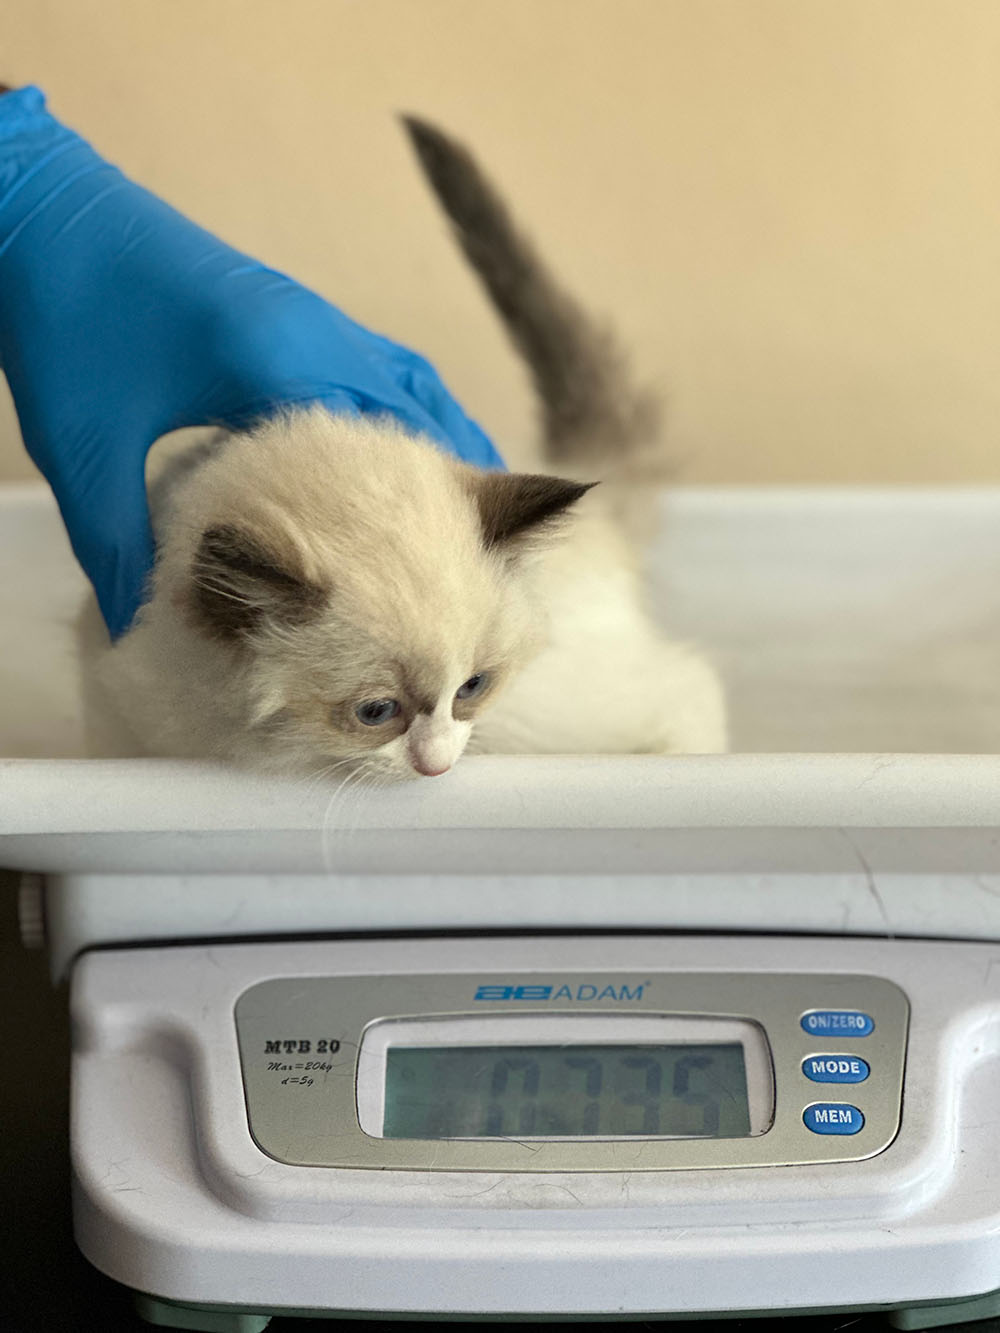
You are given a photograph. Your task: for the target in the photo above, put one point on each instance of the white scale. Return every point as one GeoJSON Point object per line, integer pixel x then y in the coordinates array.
{"type": "Point", "coordinates": [545, 1039]}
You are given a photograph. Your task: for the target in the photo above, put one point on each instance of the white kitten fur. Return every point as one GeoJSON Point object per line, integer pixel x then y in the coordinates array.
{"type": "Point", "coordinates": [406, 601]}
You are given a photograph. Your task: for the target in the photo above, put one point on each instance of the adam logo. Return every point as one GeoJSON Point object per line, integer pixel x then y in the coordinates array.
{"type": "Point", "coordinates": [585, 992]}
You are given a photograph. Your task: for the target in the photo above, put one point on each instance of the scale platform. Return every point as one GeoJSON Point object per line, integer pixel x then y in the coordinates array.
{"type": "Point", "coordinates": [581, 1037]}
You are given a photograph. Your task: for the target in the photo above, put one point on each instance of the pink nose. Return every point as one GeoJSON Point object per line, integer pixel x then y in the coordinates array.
{"type": "Point", "coordinates": [426, 771]}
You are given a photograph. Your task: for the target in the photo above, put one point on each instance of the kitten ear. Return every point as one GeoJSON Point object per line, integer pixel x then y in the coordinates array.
{"type": "Point", "coordinates": [238, 583]}
{"type": "Point", "coordinates": [515, 507]}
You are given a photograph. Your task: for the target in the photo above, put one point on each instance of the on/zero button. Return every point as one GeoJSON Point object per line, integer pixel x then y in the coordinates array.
{"type": "Point", "coordinates": [837, 1023]}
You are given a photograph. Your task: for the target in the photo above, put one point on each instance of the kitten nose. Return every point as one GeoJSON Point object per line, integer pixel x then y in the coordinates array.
{"type": "Point", "coordinates": [427, 770]}
{"type": "Point", "coordinates": [432, 749]}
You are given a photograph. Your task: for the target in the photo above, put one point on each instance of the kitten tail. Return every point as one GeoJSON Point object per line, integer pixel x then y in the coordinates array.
{"type": "Point", "coordinates": [592, 415]}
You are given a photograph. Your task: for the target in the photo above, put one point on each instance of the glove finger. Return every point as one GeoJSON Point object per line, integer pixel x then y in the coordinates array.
{"type": "Point", "coordinates": [439, 415]}
{"type": "Point", "coordinates": [107, 518]}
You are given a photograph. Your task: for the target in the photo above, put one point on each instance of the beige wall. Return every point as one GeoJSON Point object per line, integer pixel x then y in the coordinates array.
{"type": "Point", "coordinates": [791, 207]}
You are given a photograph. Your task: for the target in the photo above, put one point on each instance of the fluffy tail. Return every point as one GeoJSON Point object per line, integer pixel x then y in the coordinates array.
{"type": "Point", "coordinates": [592, 415]}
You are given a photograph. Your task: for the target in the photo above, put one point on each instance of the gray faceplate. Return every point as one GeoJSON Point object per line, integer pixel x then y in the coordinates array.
{"type": "Point", "coordinates": [299, 1041]}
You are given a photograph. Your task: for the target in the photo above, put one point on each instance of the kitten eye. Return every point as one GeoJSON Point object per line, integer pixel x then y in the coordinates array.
{"type": "Point", "coordinates": [376, 711]}
{"type": "Point", "coordinates": [473, 686]}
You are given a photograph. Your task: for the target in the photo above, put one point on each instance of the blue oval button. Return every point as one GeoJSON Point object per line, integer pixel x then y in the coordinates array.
{"type": "Point", "coordinates": [837, 1023]}
{"type": "Point", "coordinates": [835, 1068]}
{"type": "Point", "coordinates": [833, 1118]}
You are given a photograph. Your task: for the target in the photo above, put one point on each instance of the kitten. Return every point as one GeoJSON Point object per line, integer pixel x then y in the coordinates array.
{"type": "Point", "coordinates": [332, 593]}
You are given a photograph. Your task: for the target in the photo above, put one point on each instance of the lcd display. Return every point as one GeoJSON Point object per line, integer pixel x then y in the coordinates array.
{"type": "Point", "coordinates": [683, 1090]}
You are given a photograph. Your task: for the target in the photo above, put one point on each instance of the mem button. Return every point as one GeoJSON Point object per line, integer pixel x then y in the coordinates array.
{"type": "Point", "coordinates": [837, 1023]}
{"type": "Point", "coordinates": [833, 1118]}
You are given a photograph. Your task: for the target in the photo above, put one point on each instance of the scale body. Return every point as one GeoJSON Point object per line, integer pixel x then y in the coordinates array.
{"type": "Point", "coordinates": [219, 1159]}
{"type": "Point", "coordinates": [195, 912]}
{"type": "Point", "coordinates": [821, 931]}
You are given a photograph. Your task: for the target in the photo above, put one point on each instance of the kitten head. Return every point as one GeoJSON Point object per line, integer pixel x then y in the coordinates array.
{"type": "Point", "coordinates": [367, 594]}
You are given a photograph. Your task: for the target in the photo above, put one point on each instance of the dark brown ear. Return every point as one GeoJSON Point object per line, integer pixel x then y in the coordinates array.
{"type": "Point", "coordinates": [515, 506]}
{"type": "Point", "coordinates": [237, 584]}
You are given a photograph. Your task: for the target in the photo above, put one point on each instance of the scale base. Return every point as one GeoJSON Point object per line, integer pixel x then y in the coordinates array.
{"type": "Point", "coordinates": [172, 1195]}
{"type": "Point", "coordinates": [229, 1319]}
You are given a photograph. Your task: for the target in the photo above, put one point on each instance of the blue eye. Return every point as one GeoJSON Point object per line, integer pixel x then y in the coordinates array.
{"type": "Point", "coordinates": [473, 686]}
{"type": "Point", "coordinates": [377, 711]}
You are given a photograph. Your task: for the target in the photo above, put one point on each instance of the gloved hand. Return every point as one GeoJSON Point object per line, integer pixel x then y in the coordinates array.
{"type": "Point", "coordinates": [121, 320]}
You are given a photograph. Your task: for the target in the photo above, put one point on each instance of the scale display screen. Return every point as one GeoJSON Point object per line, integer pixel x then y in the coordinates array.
{"type": "Point", "coordinates": [562, 1071]}
{"type": "Point", "coordinates": [610, 1091]}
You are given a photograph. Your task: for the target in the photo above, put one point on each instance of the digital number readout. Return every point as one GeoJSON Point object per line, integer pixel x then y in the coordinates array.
{"type": "Point", "coordinates": [437, 1092]}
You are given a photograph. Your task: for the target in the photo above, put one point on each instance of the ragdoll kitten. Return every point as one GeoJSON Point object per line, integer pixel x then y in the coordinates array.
{"type": "Point", "coordinates": [332, 593]}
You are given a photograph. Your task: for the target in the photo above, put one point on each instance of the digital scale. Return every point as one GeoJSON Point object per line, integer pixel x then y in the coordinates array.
{"type": "Point", "coordinates": [547, 1039]}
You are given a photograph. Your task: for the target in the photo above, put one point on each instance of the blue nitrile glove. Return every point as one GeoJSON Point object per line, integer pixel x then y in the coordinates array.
{"type": "Point", "coordinates": [121, 320]}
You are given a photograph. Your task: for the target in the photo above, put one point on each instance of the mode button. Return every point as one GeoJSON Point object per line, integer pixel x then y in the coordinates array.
{"type": "Point", "coordinates": [836, 1068]}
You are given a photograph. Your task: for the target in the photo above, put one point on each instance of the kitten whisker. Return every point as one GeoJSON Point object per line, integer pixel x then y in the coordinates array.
{"type": "Point", "coordinates": [328, 830]}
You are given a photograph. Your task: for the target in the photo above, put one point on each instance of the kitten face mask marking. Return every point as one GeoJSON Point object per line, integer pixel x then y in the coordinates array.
{"type": "Point", "coordinates": [432, 738]}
